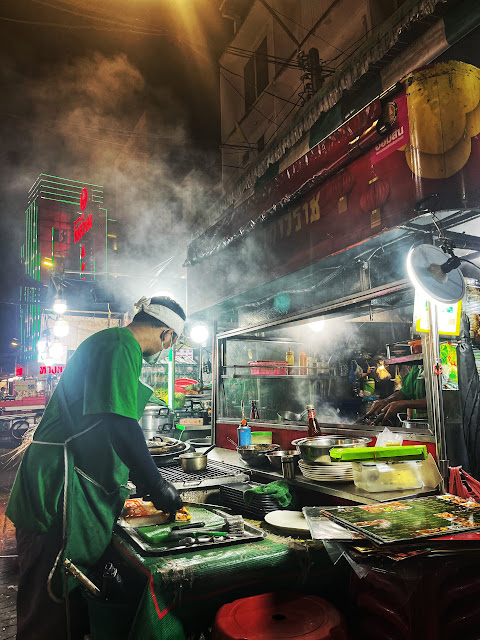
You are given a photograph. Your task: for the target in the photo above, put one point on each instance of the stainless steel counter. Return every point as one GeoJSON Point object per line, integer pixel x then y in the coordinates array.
{"type": "Point", "coordinates": [343, 490]}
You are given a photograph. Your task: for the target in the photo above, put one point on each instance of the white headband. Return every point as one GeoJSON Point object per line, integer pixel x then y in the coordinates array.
{"type": "Point", "coordinates": [159, 311]}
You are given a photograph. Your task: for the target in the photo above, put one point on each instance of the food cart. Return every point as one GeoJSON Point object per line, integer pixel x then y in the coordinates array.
{"type": "Point", "coordinates": [313, 266]}
{"type": "Point", "coordinates": [314, 262]}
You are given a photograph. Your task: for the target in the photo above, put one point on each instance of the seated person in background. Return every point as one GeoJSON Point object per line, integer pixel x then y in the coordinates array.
{"type": "Point", "coordinates": [411, 396]}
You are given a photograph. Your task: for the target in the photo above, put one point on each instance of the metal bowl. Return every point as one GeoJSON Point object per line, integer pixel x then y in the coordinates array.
{"type": "Point", "coordinates": [275, 457]}
{"type": "Point", "coordinates": [255, 454]}
{"type": "Point", "coordinates": [317, 450]}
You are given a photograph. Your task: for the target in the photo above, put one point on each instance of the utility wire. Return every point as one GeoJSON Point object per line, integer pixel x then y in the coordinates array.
{"type": "Point", "coordinates": [306, 29]}
{"type": "Point", "coordinates": [253, 84]}
{"type": "Point", "coordinates": [243, 97]}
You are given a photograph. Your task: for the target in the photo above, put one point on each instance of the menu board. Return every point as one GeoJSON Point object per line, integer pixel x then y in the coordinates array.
{"type": "Point", "coordinates": [409, 520]}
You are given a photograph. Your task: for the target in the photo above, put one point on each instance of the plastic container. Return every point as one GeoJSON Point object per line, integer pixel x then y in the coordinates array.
{"type": "Point", "coordinates": [388, 476]}
{"type": "Point", "coordinates": [268, 368]}
{"type": "Point", "coordinates": [261, 437]}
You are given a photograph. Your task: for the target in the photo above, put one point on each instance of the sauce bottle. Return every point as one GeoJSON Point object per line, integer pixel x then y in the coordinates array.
{"type": "Point", "coordinates": [302, 361]}
{"type": "Point", "coordinates": [290, 358]}
{"type": "Point", "coordinates": [254, 411]}
{"type": "Point", "coordinates": [313, 426]}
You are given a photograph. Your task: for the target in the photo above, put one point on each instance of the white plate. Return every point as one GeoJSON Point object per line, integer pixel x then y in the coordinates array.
{"type": "Point", "coordinates": [335, 472]}
{"type": "Point", "coordinates": [325, 467]}
{"type": "Point", "coordinates": [289, 520]}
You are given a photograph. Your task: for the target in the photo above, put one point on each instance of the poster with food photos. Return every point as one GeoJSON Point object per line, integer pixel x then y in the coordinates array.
{"type": "Point", "coordinates": [409, 520]}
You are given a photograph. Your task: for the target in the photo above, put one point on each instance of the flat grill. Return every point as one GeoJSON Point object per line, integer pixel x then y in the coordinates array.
{"type": "Point", "coordinates": [216, 474]}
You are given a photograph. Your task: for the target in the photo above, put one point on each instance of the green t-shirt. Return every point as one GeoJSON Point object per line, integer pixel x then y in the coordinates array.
{"type": "Point", "coordinates": [102, 377]}
{"type": "Point", "coordinates": [413, 387]}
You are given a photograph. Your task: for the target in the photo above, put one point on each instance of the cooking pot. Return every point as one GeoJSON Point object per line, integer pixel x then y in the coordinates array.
{"type": "Point", "coordinates": [153, 419]}
{"type": "Point", "coordinates": [193, 462]}
{"type": "Point", "coordinates": [291, 416]}
{"type": "Point", "coordinates": [317, 450]}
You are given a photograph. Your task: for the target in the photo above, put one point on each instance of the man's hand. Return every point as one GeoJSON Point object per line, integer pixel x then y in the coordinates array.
{"type": "Point", "coordinates": [392, 409]}
{"type": "Point", "coordinates": [165, 497]}
{"type": "Point", "coordinates": [377, 407]}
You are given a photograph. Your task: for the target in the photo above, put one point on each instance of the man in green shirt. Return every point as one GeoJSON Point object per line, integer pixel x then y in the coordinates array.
{"type": "Point", "coordinates": [71, 485]}
{"type": "Point", "coordinates": [412, 395]}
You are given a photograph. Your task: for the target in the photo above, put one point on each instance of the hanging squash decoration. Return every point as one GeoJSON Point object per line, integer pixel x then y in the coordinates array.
{"type": "Point", "coordinates": [340, 185]}
{"type": "Point", "coordinates": [372, 199]}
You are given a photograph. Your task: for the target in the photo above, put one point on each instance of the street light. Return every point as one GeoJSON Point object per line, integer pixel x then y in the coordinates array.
{"type": "Point", "coordinates": [59, 305]}
{"type": "Point", "coordinates": [61, 329]}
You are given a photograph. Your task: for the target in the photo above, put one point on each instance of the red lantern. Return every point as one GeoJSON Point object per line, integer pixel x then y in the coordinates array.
{"type": "Point", "coordinates": [372, 199]}
{"type": "Point", "coordinates": [340, 185]}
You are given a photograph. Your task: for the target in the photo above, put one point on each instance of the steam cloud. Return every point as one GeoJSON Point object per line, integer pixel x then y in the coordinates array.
{"type": "Point", "coordinates": [77, 125]}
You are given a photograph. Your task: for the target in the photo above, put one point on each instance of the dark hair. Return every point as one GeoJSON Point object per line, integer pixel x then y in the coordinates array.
{"type": "Point", "coordinates": [145, 319]}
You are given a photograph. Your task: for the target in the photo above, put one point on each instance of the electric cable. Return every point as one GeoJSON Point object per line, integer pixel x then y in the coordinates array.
{"type": "Point", "coordinates": [243, 97]}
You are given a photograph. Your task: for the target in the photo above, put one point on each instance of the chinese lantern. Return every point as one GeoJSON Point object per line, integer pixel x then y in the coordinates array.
{"type": "Point", "coordinates": [373, 198]}
{"type": "Point", "coordinates": [340, 185]}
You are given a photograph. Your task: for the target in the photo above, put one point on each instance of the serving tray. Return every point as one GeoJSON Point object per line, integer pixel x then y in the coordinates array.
{"type": "Point", "coordinates": [251, 534]}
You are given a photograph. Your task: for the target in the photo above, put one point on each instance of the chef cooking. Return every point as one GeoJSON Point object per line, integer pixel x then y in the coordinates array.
{"type": "Point", "coordinates": [72, 482]}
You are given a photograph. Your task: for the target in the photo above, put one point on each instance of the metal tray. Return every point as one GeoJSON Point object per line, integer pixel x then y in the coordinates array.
{"type": "Point", "coordinates": [252, 534]}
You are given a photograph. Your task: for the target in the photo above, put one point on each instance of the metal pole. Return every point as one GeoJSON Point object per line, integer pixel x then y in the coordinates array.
{"type": "Point", "coordinates": [436, 384]}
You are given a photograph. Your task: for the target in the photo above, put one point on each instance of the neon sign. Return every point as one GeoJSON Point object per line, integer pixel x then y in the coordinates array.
{"type": "Point", "coordinates": [81, 226]}
{"type": "Point", "coordinates": [54, 370]}
{"type": "Point", "coordinates": [83, 199]}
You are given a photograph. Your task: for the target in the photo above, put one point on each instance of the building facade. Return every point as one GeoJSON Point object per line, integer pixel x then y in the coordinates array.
{"type": "Point", "coordinates": [68, 235]}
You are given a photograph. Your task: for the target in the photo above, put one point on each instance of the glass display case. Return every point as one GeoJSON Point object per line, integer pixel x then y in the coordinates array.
{"type": "Point", "coordinates": [341, 362]}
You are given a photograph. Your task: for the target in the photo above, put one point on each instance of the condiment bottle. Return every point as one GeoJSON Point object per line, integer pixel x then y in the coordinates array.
{"type": "Point", "coordinates": [302, 361]}
{"type": "Point", "coordinates": [290, 358]}
{"type": "Point", "coordinates": [254, 411]}
{"type": "Point", "coordinates": [313, 426]}
{"type": "Point", "coordinates": [244, 434]}
{"type": "Point", "coordinates": [311, 366]}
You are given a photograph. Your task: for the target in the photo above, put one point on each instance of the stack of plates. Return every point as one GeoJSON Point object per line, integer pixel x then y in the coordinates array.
{"type": "Point", "coordinates": [231, 495]}
{"type": "Point", "coordinates": [338, 472]}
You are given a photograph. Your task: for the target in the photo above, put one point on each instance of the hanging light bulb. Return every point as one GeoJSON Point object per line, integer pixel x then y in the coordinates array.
{"type": "Point", "coordinates": [199, 332]}
{"type": "Point", "coordinates": [61, 328]}
{"type": "Point", "coordinates": [59, 305]}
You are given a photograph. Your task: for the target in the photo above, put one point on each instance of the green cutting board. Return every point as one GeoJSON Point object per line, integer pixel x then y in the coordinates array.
{"type": "Point", "coordinates": [156, 534]}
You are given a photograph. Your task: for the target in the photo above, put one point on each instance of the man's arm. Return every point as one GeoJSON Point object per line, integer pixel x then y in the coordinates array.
{"type": "Point", "coordinates": [129, 443]}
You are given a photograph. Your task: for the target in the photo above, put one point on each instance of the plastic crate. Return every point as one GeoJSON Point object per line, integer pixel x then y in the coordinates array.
{"type": "Point", "coordinates": [268, 368]}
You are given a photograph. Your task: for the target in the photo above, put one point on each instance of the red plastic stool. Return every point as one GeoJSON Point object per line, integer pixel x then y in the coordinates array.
{"type": "Point", "coordinates": [274, 616]}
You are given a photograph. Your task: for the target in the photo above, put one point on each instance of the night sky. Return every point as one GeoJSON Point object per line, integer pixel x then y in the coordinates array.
{"type": "Point", "coordinates": [61, 114]}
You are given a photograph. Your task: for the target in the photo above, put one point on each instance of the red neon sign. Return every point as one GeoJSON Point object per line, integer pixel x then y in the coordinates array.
{"type": "Point", "coordinates": [19, 370]}
{"type": "Point", "coordinates": [83, 199]}
{"type": "Point", "coordinates": [54, 370]}
{"type": "Point", "coordinates": [81, 226]}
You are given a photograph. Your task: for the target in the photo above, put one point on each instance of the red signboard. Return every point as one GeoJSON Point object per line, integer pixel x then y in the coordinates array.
{"type": "Point", "coordinates": [343, 198]}
{"type": "Point", "coordinates": [18, 370]}
{"type": "Point", "coordinates": [81, 226]}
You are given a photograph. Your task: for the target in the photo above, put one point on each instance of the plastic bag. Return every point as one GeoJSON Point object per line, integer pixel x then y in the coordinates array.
{"type": "Point", "coordinates": [389, 439]}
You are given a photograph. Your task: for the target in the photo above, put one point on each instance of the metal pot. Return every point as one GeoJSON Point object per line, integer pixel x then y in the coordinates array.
{"type": "Point", "coordinates": [291, 416]}
{"type": "Point", "coordinates": [193, 461]}
{"type": "Point", "coordinates": [153, 419]}
{"type": "Point", "coordinates": [412, 423]}
{"type": "Point", "coordinates": [317, 450]}
{"type": "Point", "coordinates": [275, 457]}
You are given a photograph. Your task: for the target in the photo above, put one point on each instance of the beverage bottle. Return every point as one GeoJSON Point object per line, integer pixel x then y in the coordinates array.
{"type": "Point", "coordinates": [302, 361]}
{"type": "Point", "coordinates": [254, 411]}
{"type": "Point", "coordinates": [313, 426]}
{"type": "Point", "coordinates": [290, 358]}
